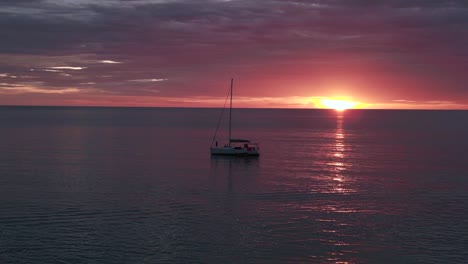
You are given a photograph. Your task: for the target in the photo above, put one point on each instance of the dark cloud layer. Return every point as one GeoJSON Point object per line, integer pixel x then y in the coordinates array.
{"type": "Point", "coordinates": [376, 50]}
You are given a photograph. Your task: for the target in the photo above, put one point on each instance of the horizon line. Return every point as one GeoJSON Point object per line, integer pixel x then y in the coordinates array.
{"type": "Point", "coordinates": [266, 108]}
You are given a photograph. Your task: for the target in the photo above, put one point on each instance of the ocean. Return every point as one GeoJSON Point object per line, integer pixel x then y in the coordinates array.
{"type": "Point", "coordinates": [138, 185]}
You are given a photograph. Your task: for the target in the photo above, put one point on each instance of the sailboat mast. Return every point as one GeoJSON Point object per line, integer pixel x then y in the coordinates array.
{"type": "Point", "coordinates": [230, 114]}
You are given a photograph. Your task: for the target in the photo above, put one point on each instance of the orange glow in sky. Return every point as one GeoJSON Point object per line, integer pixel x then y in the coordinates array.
{"type": "Point", "coordinates": [339, 105]}
{"type": "Point", "coordinates": [284, 59]}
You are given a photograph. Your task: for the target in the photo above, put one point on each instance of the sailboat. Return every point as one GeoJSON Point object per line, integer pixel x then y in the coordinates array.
{"type": "Point", "coordinates": [234, 146]}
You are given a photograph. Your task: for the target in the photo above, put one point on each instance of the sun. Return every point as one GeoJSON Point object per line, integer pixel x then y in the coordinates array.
{"type": "Point", "coordinates": [339, 105]}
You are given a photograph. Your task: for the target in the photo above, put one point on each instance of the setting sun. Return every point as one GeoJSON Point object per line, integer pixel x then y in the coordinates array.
{"type": "Point", "coordinates": [338, 105]}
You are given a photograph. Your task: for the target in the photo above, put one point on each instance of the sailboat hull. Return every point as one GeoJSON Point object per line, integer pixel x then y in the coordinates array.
{"type": "Point", "coordinates": [228, 151]}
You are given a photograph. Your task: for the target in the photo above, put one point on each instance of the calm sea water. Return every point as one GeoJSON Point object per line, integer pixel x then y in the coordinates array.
{"type": "Point", "coordinates": [123, 185]}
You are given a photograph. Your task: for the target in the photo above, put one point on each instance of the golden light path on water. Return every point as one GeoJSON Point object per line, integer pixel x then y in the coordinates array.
{"type": "Point", "coordinates": [339, 154]}
{"type": "Point", "coordinates": [339, 184]}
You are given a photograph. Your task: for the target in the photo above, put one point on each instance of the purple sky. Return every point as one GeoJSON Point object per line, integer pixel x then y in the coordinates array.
{"type": "Point", "coordinates": [385, 54]}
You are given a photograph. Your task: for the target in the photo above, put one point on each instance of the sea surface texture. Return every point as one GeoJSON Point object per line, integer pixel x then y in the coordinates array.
{"type": "Point", "coordinates": [138, 185]}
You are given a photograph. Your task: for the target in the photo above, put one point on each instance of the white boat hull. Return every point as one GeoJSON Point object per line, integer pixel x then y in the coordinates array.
{"type": "Point", "coordinates": [228, 151]}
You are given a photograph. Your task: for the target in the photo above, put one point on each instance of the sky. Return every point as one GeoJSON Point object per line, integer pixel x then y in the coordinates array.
{"type": "Point", "coordinates": [281, 54]}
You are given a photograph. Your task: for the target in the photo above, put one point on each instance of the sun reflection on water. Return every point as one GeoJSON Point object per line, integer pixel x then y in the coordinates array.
{"type": "Point", "coordinates": [339, 182]}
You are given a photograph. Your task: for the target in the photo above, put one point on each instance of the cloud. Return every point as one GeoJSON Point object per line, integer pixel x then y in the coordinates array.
{"type": "Point", "coordinates": [67, 68]}
{"type": "Point", "coordinates": [379, 48]}
{"type": "Point", "coordinates": [404, 104]}
{"type": "Point", "coordinates": [403, 101]}
{"type": "Point", "coordinates": [109, 62]}
{"type": "Point", "coordinates": [6, 75]}
{"type": "Point", "coordinates": [148, 80]}
{"type": "Point", "coordinates": [19, 89]}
